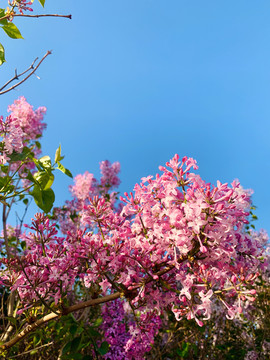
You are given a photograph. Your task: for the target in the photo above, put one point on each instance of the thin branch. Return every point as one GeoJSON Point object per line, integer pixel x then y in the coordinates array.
{"type": "Point", "coordinates": [9, 16]}
{"type": "Point", "coordinates": [44, 15]}
{"type": "Point", "coordinates": [16, 76]}
{"type": "Point", "coordinates": [27, 77]}
{"type": "Point", "coordinates": [27, 352]}
{"type": "Point", "coordinates": [4, 221]}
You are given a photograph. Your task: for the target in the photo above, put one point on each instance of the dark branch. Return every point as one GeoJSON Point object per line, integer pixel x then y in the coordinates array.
{"type": "Point", "coordinates": [17, 76]}
{"type": "Point", "coordinates": [44, 15]}
{"type": "Point", "coordinates": [9, 16]}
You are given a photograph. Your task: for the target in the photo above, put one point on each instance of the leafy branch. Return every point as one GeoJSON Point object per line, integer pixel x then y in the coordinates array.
{"type": "Point", "coordinates": [18, 8]}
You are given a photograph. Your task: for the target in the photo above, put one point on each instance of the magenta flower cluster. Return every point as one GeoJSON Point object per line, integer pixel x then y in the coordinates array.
{"type": "Point", "coordinates": [22, 5]}
{"type": "Point", "coordinates": [178, 242]}
{"type": "Point", "coordinates": [175, 243]}
{"type": "Point", "coordinates": [132, 342]}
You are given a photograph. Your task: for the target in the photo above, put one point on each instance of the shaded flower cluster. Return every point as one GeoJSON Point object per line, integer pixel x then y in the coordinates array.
{"type": "Point", "coordinates": [127, 338]}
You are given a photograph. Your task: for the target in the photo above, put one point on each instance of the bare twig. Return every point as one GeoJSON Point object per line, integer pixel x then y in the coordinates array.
{"type": "Point", "coordinates": [16, 76]}
{"type": "Point", "coordinates": [27, 352]}
{"type": "Point", "coordinates": [27, 77]}
{"type": "Point", "coordinates": [9, 16]}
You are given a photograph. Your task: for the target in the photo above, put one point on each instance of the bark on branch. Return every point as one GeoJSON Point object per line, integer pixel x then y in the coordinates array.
{"type": "Point", "coordinates": [8, 16]}
{"type": "Point", "coordinates": [58, 314]}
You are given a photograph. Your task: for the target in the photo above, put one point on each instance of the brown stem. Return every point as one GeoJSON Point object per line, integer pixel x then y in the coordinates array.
{"type": "Point", "coordinates": [16, 76]}
{"type": "Point", "coordinates": [24, 79]}
{"type": "Point", "coordinates": [35, 16]}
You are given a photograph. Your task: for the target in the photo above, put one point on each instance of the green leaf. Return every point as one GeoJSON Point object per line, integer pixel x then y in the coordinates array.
{"type": "Point", "coordinates": [12, 31]}
{"type": "Point", "coordinates": [45, 162]}
{"type": "Point", "coordinates": [66, 348]}
{"type": "Point", "coordinates": [57, 156]}
{"type": "Point", "coordinates": [3, 181]}
{"type": "Point", "coordinates": [4, 168]}
{"type": "Point", "coordinates": [94, 333]}
{"type": "Point", "coordinates": [76, 356]}
{"type": "Point", "coordinates": [38, 145]}
{"type": "Point", "coordinates": [184, 351]}
{"type": "Point", "coordinates": [104, 348]}
{"type": "Point", "coordinates": [42, 2]}
{"type": "Point", "coordinates": [2, 54]}
{"type": "Point", "coordinates": [36, 339]}
{"type": "Point", "coordinates": [63, 169]}
{"type": "Point", "coordinates": [43, 198]}
{"type": "Point", "coordinates": [75, 343]}
{"type": "Point", "coordinates": [97, 322]}
{"type": "Point", "coordinates": [15, 156]}
{"type": "Point", "coordinates": [31, 178]}
{"type": "Point", "coordinates": [2, 14]}
{"type": "Point", "coordinates": [73, 329]}
{"type": "Point", "coordinates": [45, 179]}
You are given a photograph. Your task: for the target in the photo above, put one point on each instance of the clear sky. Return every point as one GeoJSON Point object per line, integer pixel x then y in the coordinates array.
{"type": "Point", "coordinates": [138, 81]}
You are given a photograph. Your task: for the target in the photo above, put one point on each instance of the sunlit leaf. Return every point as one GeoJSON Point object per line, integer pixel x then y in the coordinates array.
{"type": "Point", "coordinates": [43, 198]}
{"type": "Point", "coordinates": [42, 2]}
{"type": "Point", "coordinates": [12, 31]}
{"type": "Point", "coordinates": [2, 54]}
{"type": "Point", "coordinates": [63, 169]}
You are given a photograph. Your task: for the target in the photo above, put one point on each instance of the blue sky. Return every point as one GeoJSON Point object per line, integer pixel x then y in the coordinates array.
{"type": "Point", "coordinates": [138, 81]}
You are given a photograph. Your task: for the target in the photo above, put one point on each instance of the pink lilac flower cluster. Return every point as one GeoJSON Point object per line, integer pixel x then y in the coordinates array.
{"type": "Point", "coordinates": [179, 243]}
{"type": "Point", "coordinates": [30, 120]}
{"type": "Point", "coordinates": [22, 5]}
{"type": "Point", "coordinates": [109, 173]}
{"type": "Point", "coordinates": [128, 339]}
{"type": "Point", "coordinates": [21, 127]}
{"type": "Point", "coordinates": [13, 235]}
{"type": "Point", "coordinates": [45, 270]}
{"type": "Point", "coordinates": [84, 191]}
{"type": "Point", "coordinates": [12, 138]}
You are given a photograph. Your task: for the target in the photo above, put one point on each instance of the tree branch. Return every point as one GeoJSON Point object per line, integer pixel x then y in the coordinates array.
{"type": "Point", "coordinates": [16, 77]}
{"type": "Point", "coordinates": [29, 328]}
{"type": "Point", "coordinates": [9, 16]}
